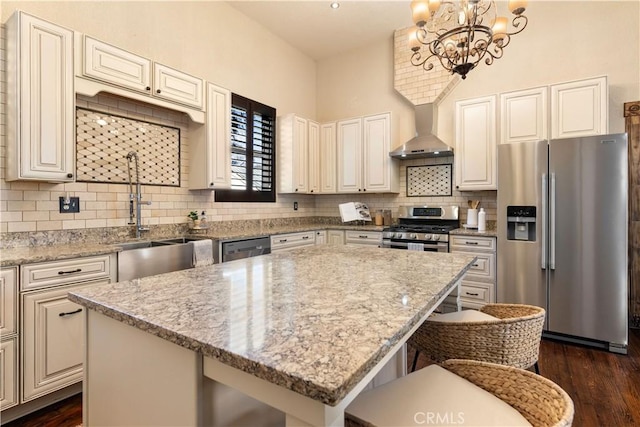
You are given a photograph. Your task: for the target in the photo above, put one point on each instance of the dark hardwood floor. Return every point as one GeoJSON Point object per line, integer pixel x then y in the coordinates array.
{"type": "Point", "coordinates": [605, 387]}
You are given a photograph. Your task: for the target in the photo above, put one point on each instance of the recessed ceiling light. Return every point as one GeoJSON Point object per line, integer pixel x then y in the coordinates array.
{"type": "Point", "coordinates": [335, 5]}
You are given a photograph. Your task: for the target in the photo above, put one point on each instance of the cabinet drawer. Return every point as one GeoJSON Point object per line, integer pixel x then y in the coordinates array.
{"type": "Point", "coordinates": [483, 269]}
{"type": "Point", "coordinates": [47, 274]}
{"type": "Point", "coordinates": [468, 243]}
{"type": "Point", "coordinates": [292, 240]}
{"type": "Point", "coordinates": [174, 85]}
{"type": "Point", "coordinates": [9, 301]}
{"type": "Point", "coordinates": [476, 292]}
{"type": "Point", "coordinates": [363, 237]}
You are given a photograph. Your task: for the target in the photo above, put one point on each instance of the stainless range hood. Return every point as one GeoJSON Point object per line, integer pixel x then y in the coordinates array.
{"type": "Point", "coordinates": [425, 143]}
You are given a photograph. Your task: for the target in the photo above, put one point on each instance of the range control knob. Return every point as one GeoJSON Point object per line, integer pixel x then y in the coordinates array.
{"type": "Point", "coordinates": [427, 237]}
{"type": "Point", "coordinates": [413, 236]}
{"type": "Point", "coordinates": [398, 235]}
{"type": "Point", "coordinates": [436, 237]}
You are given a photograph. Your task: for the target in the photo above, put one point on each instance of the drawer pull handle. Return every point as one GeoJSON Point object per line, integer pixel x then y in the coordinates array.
{"type": "Point", "coordinates": [69, 313]}
{"type": "Point", "coordinates": [363, 237]}
{"type": "Point", "coordinates": [471, 243]}
{"type": "Point", "coordinates": [77, 270]}
{"type": "Point", "coordinates": [475, 265]}
{"type": "Point", "coordinates": [283, 240]}
{"type": "Point", "coordinates": [472, 294]}
{"type": "Point", "coordinates": [305, 237]}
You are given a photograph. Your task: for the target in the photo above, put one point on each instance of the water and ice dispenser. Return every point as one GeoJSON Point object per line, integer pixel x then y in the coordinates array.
{"type": "Point", "coordinates": [521, 223]}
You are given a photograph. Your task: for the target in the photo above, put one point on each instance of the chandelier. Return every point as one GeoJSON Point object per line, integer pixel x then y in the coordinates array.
{"type": "Point", "coordinates": [462, 33]}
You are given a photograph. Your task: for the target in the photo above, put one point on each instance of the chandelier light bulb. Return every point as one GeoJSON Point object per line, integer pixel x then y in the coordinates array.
{"type": "Point", "coordinates": [433, 6]}
{"type": "Point", "coordinates": [517, 7]}
{"type": "Point", "coordinates": [414, 43]}
{"type": "Point", "coordinates": [499, 28]}
{"type": "Point", "coordinates": [420, 13]}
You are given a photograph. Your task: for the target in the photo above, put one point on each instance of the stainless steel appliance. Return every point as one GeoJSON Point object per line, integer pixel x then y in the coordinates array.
{"type": "Point", "coordinates": [422, 228]}
{"type": "Point", "coordinates": [245, 248]}
{"type": "Point", "coordinates": [562, 235]}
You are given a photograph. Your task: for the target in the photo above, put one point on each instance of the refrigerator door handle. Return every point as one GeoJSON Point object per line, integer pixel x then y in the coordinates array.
{"type": "Point", "coordinates": [544, 222]}
{"type": "Point", "coordinates": [552, 223]}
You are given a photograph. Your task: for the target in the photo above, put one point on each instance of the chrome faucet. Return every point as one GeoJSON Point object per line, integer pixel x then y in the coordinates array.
{"type": "Point", "coordinates": [137, 197]}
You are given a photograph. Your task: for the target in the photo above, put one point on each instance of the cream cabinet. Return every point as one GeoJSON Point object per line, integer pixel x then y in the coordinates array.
{"type": "Point", "coordinates": [475, 136]}
{"type": "Point", "coordinates": [280, 242]}
{"type": "Point", "coordinates": [293, 154]}
{"type": "Point", "coordinates": [51, 326]}
{"type": "Point", "coordinates": [9, 337]}
{"type": "Point", "coordinates": [328, 173]}
{"type": "Point", "coordinates": [579, 108]}
{"type": "Point", "coordinates": [41, 100]}
{"type": "Point", "coordinates": [367, 238]}
{"type": "Point", "coordinates": [210, 144]}
{"type": "Point", "coordinates": [479, 284]}
{"type": "Point", "coordinates": [9, 373]}
{"type": "Point", "coordinates": [116, 66]}
{"type": "Point", "coordinates": [523, 115]}
{"type": "Point", "coordinates": [313, 158]}
{"type": "Point", "coordinates": [335, 237]}
{"type": "Point", "coordinates": [364, 165]}
{"type": "Point", "coordinates": [321, 237]}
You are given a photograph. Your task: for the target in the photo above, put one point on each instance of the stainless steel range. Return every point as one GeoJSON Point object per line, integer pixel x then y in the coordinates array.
{"type": "Point", "coordinates": [424, 228]}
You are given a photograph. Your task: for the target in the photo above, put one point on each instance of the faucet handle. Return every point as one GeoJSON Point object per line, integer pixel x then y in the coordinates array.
{"type": "Point", "coordinates": [145, 202]}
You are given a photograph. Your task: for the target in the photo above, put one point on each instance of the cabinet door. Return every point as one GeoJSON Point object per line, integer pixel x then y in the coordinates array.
{"type": "Point", "coordinates": [523, 116]}
{"type": "Point", "coordinates": [379, 170]}
{"type": "Point", "coordinates": [580, 108]}
{"type": "Point", "coordinates": [41, 121]}
{"type": "Point", "coordinates": [52, 340]}
{"type": "Point", "coordinates": [328, 158]}
{"type": "Point", "coordinates": [117, 66]}
{"type": "Point", "coordinates": [349, 145]}
{"type": "Point", "coordinates": [174, 85]}
{"type": "Point", "coordinates": [8, 373]}
{"type": "Point", "coordinates": [300, 155]}
{"type": "Point", "coordinates": [335, 237]}
{"type": "Point", "coordinates": [8, 301]}
{"type": "Point", "coordinates": [321, 237]}
{"type": "Point", "coordinates": [218, 138]}
{"type": "Point", "coordinates": [476, 144]}
{"type": "Point", "coordinates": [313, 159]}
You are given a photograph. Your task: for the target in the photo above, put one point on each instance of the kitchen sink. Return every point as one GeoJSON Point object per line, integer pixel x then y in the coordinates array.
{"type": "Point", "coordinates": [141, 259]}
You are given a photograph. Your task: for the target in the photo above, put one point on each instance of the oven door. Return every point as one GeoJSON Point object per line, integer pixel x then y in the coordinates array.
{"type": "Point", "coordinates": [428, 246]}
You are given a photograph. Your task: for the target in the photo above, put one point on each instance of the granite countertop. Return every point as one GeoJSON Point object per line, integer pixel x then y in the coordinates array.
{"type": "Point", "coordinates": [474, 232]}
{"type": "Point", "coordinates": [30, 254]}
{"type": "Point", "coordinates": [285, 317]}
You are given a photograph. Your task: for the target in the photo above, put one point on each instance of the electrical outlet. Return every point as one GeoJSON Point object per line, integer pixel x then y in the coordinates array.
{"type": "Point", "coordinates": [69, 205]}
{"type": "Point", "coordinates": [295, 206]}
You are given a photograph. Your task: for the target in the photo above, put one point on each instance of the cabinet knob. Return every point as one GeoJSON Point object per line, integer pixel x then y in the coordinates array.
{"type": "Point", "coordinates": [457, 186]}
{"type": "Point", "coordinates": [311, 191]}
{"type": "Point", "coordinates": [158, 91]}
{"type": "Point", "coordinates": [296, 189]}
{"type": "Point", "coordinates": [69, 175]}
{"type": "Point", "coordinates": [148, 88]}
{"type": "Point", "coordinates": [364, 189]}
{"type": "Point", "coordinates": [359, 189]}
{"type": "Point", "coordinates": [211, 184]}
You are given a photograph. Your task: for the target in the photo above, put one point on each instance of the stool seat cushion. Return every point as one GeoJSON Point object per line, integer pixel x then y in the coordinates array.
{"type": "Point", "coordinates": [432, 396]}
{"type": "Point", "coordinates": [462, 316]}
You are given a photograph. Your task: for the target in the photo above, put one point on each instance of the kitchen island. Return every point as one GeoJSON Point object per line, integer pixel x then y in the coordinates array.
{"type": "Point", "coordinates": [303, 331]}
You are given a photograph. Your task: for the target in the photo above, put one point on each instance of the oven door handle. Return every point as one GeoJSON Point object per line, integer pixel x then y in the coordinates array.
{"type": "Point", "coordinates": [440, 246]}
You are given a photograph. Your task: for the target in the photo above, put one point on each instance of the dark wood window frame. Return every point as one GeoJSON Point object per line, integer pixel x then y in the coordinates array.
{"type": "Point", "coordinates": [248, 194]}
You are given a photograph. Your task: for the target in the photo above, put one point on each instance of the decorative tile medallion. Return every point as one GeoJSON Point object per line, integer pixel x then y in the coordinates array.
{"type": "Point", "coordinates": [104, 140]}
{"type": "Point", "coordinates": [431, 180]}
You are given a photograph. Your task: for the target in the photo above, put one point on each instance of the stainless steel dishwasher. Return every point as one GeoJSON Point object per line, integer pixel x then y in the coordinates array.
{"type": "Point", "coordinates": [245, 248]}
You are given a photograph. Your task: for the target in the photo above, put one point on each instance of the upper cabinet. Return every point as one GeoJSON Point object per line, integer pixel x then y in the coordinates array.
{"type": "Point", "coordinates": [328, 147]}
{"type": "Point", "coordinates": [293, 154]}
{"type": "Point", "coordinates": [210, 144]}
{"type": "Point", "coordinates": [116, 66]}
{"type": "Point", "coordinates": [579, 108]}
{"type": "Point", "coordinates": [475, 136]}
{"type": "Point", "coordinates": [523, 115]}
{"type": "Point", "coordinates": [41, 100]}
{"type": "Point", "coordinates": [363, 146]}
{"type": "Point", "coordinates": [313, 160]}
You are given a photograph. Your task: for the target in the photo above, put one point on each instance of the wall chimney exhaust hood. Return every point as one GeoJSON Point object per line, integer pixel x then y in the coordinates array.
{"type": "Point", "coordinates": [425, 143]}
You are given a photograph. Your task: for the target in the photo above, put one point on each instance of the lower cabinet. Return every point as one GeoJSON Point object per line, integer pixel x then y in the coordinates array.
{"type": "Point", "coordinates": [9, 373]}
{"type": "Point", "coordinates": [52, 340]}
{"type": "Point", "coordinates": [321, 237]}
{"type": "Point", "coordinates": [479, 284]}
{"type": "Point", "coordinates": [367, 238]}
{"type": "Point", "coordinates": [335, 237]}
{"type": "Point", "coordinates": [281, 242]}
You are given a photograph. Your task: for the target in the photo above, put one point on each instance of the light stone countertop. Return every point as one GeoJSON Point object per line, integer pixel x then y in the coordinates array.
{"type": "Point", "coordinates": [314, 320]}
{"type": "Point", "coordinates": [30, 254]}
{"type": "Point", "coordinates": [474, 232]}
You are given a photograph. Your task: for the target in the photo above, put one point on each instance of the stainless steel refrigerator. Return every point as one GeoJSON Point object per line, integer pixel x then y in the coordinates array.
{"type": "Point", "coordinates": [562, 235]}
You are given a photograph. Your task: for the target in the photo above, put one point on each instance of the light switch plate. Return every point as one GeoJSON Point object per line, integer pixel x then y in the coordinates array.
{"type": "Point", "coordinates": [72, 205]}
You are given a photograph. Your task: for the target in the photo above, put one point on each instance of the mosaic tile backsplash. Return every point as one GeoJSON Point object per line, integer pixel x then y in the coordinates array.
{"type": "Point", "coordinates": [104, 140]}
{"type": "Point", "coordinates": [430, 180]}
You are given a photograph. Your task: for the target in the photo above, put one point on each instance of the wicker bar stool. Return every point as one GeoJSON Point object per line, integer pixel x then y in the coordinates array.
{"type": "Point", "coordinates": [457, 394]}
{"type": "Point", "coordinates": [510, 335]}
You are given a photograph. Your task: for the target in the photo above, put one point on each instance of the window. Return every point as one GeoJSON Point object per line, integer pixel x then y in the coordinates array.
{"type": "Point", "coordinates": [253, 151]}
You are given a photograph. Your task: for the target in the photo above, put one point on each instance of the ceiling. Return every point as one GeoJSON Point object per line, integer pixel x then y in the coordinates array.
{"type": "Point", "coordinates": [321, 32]}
